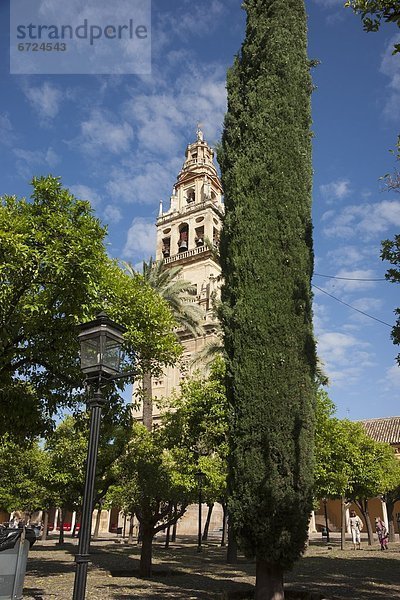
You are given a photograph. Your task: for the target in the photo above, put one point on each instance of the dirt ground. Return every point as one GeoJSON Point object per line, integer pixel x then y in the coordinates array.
{"type": "Point", "coordinates": [183, 573]}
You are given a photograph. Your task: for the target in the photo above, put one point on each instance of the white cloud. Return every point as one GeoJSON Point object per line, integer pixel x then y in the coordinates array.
{"type": "Point", "coordinates": [351, 255]}
{"type": "Point", "coordinates": [367, 304]}
{"type": "Point", "coordinates": [393, 376]}
{"type": "Point", "coordinates": [6, 130]}
{"type": "Point", "coordinates": [101, 132]}
{"type": "Point", "coordinates": [320, 316]}
{"type": "Point", "coordinates": [198, 20]}
{"type": "Point", "coordinates": [335, 190]}
{"type": "Point", "coordinates": [44, 99]}
{"type": "Point", "coordinates": [112, 214]}
{"type": "Point", "coordinates": [391, 68]}
{"type": "Point", "coordinates": [370, 306]}
{"type": "Point", "coordinates": [329, 3]}
{"type": "Point", "coordinates": [163, 116]}
{"type": "Point", "coordinates": [30, 160]}
{"type": "Point", "coordinates": [146, 183]}
{"type": "Point", "coordinates": [327, 215]}
{"type": "Point", "coordinates": [141, 239]}
{"type": "Point", "coordinates": [165, 120]}
{"type": "Point", "coordinates": [52, 157]}
{"type": "Point", "coordinates": [345, 357]}
{"type": "Point", "coordinates": [83, 192]}
{"type": "Point", "coordinates": [347, 285]}
{"type": "Point", "coordinates": [364, 221]}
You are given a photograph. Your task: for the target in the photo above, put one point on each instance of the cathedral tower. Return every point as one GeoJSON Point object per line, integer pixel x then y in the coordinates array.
{"type": "Point", "coordinates": [185, 232]}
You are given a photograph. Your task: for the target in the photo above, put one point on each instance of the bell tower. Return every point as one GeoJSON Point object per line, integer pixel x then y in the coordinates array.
{"type": "Point", "coordinates": [186, 231]}
{"type": "Point", "coordinates": [195, 210]}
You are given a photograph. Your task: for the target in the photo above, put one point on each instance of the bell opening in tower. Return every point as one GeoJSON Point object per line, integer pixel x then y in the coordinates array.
{"type": "Point", "coordinates": [215, 237]}
{"type": "Point", "coordinates": [183, 238]}
{"type": "Point", "coordinates": [190, 196]}
{"type": "Point", "coordinates": [199, 239]}
{"type": "Point", "coordinates": [166, 247]}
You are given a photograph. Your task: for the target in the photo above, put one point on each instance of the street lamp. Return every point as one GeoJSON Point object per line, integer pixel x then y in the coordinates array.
{"type": "Point", "coordinates": [100, 341]}
{"type": "Point", "coordinates": [200, 477]}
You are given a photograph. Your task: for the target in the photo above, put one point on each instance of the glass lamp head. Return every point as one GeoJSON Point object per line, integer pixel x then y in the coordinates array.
{"type": "Point", "coordinates": [101, 347]}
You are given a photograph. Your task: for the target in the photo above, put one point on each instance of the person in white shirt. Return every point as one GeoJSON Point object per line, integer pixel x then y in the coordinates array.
{"type": "Point", "coordinates": [356, 526]}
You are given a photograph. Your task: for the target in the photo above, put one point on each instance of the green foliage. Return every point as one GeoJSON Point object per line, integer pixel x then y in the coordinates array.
{"type": "Point", "coordinates": [130, 301]}
{"type": "Point", "coordinates": [152, 479]}
{"type": "Point", "coordinates": [391, 252]}
{"type": "Point", "coordinates": [66, 450]}
{"type": "Point", "coordinates": [332, 468]}
{"type": "Point", "coordinates": [55, 273]}
{"type": "Point", "coordinates": [373, 12]}
{"type": "Point", "coordinates": [23, 476]}
{"type": "Point", "coordinates": [374, 469]}
{"type": "Point", "coordinates": [175, 291]}
{"type": "Point", "coordinates": [348, 462]}
{"type": "Point", "coordinates": [51, 253]}
{"type": "Point", "coordinates": [267, 262]}
{"type": "Point", "coordinates": [198, 426]}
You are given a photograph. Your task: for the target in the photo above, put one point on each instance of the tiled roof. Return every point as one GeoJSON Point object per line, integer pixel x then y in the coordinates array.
{"type": "Point", "coordinates": [383, 430]}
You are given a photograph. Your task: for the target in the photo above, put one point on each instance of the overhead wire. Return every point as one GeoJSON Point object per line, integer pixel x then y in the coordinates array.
{"type": "Point", "coordinates": [349, 278]}
{"type": "Point", "coordinates": [350, 306]}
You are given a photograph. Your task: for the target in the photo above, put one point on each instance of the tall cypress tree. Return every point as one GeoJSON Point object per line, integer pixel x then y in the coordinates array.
{"type": "Point", "coordinates": [267, 262]}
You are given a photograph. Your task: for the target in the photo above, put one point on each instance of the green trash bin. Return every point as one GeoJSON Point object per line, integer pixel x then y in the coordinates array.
{"type": "Point", "coordinates": [14, 548]}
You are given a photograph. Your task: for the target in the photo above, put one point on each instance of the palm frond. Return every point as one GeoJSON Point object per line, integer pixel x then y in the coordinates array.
{"type": "Point", "coordinates": [176, 291]}
{"type": "Point", "coordinates": [207, 354]}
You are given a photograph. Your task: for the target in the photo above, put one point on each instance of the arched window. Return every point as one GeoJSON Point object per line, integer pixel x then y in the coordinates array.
{"type": "Point", "coordinates": [190, 196]}
{"type": "Point", "coordinates": [183, 242]}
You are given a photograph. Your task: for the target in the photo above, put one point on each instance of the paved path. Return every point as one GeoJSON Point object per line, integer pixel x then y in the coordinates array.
{"type": "Point", "coordinates": [181, 573]}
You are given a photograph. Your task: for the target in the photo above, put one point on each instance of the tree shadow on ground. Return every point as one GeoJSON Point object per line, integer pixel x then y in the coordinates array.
{"type": "Point", "coordinates": [35, 593]}
{"type": "Point", "coordinates": [364, 578]}
{"type": "Point", "coordinates": [182, 573]}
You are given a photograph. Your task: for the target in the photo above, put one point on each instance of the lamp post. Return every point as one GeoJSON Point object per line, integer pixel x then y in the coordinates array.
{"type": "Point", "coordinates": [200, 477]}
{"type": "Point", "coordinates": [100, 342]}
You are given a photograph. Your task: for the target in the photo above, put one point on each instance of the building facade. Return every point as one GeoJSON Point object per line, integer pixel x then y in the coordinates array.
{"type": "Point", "coordinates": [188, 233]}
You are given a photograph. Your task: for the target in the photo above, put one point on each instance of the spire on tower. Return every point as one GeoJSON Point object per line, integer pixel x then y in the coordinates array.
{"type": "Point", "coordinates": [200, 136]}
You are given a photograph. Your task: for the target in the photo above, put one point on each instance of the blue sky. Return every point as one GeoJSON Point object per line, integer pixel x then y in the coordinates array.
{"type": "Point", "coordinates": [119, 141]}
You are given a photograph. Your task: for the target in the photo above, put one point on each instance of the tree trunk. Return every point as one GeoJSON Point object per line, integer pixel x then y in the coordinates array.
{"type": "Point", "coordinates": [231, 555]}
{"type": "Point", "coordinates": [97, 525]}
{"type": "Point", "coordinates": [77, 519]}
{"type": "Point", "coordinates": [390, 509]}
{"type": "Point", "coordinates": [175, 526]}
{"type": "Point", "coordinates": [45, 526]}
{"type": "Point", "coordinates": [147, 402]}
{"type": "Point", "coordinates": [343, 523]}
{"type": "Point", "coordinates": [363, 506]}
{"type": "Point", "coordinates": [168, 530]}
{"type": "Point", "coordinates": [224, 523]}
{"type": "Point", "coordinates": [207, 523]}
{"type": "Point", "coordinates": [61, 521]}
{"type": "Point", "coordinates": [167, 536]}
{"type": "Point", "coordinates": [130, 533]}
{"type": "Point", "coordinates": [326, 521]}
{"type": "Point", "coordinates": [146, 553]}
{"type": "Point", "coordinates": [269, 581]}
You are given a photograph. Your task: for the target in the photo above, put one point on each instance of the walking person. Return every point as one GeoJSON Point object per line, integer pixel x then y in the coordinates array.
{"type": "Point", "coordinates": [355, 527]}
{"type": "Point", "coordinates": [382, 532]}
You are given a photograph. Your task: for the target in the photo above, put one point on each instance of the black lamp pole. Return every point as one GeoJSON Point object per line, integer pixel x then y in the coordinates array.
{"type": "Point", "coordinates": [200, 477]}
{"type": "Point", "coordinates": [95, 405]}
{"type": "Point", "coordinates": [199, 532]}
{"type": "Point", "coordinates": [100, 341]}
